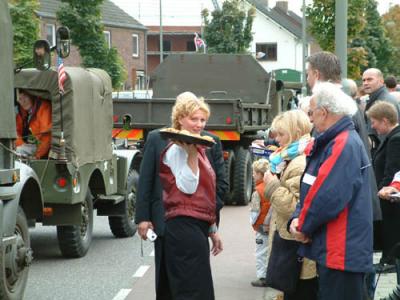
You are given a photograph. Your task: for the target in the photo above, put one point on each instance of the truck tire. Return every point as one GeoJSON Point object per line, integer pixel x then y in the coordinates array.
{"type": "Point", "coordinates": [229, 170]}
{"type": "Point", "coordinates": [74, 240]}
{"type": "Point", "coordinates": [15, 263]}
{"type": "Point", "coordinates": [124, 226]}
{"type": "Point", "coordinates": [243, 177]}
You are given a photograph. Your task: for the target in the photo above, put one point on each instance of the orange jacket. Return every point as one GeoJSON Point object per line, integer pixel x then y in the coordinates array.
{"type": "Point", "coordinates": [40, 127]}
{"type": "Point", "coordinates": [264, 205]}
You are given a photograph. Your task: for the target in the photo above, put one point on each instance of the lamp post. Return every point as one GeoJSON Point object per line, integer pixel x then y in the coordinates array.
{"type": "Point", "coordinates": [304, 38]}
{"type": "Point", "coordinates": [341, 34]}
{"type": "Point", "coordinates": [161, 35]}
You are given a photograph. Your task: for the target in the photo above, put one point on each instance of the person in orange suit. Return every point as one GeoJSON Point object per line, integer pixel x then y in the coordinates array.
{"type": "Point", "coordinates": [33, 126]}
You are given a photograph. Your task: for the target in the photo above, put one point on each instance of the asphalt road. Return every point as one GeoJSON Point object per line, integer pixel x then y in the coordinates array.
{"type": "Point", "coordinates": [107, 268]}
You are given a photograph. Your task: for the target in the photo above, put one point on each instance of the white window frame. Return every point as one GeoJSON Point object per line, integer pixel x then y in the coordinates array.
{"type": "Point", "coordinates": [107, 37]}
{"type": "Point", "coordinates": [135, 52]}
{"type": "Point", "coordinates": [53, 33]}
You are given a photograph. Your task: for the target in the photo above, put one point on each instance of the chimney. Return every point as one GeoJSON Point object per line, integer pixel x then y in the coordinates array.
{"type": "Point", "coordinates": [282, 5]}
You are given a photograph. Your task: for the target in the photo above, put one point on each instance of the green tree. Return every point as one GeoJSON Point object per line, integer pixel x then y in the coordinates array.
{"type": "Point", "coordinates": [391, 22]}
{"type": "Point", "coordinates": [321, 15]}
{"type": "Point", "coordinates": [229, 31]}
{"type": "Point", "coordinates": [84, 20]}
{"type": "Point", "coordinates": [25, 28]}
{"type": "Point", "coordinates": [374, 40]}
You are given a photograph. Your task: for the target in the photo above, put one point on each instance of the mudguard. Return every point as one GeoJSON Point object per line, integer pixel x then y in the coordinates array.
{"type": "Point", "coordinates": [10, 204]}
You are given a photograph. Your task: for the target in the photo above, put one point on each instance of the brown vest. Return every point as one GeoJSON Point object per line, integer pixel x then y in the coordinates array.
{"type": "Point", "coordinates": [201, 204]}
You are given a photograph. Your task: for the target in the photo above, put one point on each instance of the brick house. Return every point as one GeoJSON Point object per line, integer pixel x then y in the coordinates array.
{"type": "Point", "coordinates": [176, 39]}
{"type": "Point", "coordinates": [121, 31]}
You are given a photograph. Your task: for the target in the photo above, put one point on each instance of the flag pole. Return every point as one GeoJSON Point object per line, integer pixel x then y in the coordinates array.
{"type": "Point", "coordinates": [60, 65]}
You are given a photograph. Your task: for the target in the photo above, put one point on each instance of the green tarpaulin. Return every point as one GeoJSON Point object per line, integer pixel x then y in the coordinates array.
{"type": "Point", "coordinates": [87, 111]}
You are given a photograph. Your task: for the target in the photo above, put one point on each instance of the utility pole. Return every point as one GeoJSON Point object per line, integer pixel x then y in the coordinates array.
{"type": "Point", "coordinates": [161, 35]}
{"type": "Point", "coordinates": [341, 34]}
{"type": "Point", "coordinates": [304, 38]}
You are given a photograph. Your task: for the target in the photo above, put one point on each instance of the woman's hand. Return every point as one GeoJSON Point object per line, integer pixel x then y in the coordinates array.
{"type": "Point", "coordinates": [386, 191]}
{"type": "Point", "coordinates": [216, 243]}
{"type": "Point", "coordinates": [268, 177]}
{"type": "Point", "coordinates": [299, 236]}
{"type": "Point", "coordinates": [143, 227]}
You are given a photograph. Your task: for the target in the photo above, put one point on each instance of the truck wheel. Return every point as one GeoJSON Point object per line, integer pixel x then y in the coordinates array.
{"type": "Point", "coordinates": [124, 226]}
{"type": "Point", "coordinates": [242, 180]}
{"type": "Point", "coordinates": [15, 262]}
{"type": "Point", "coordinates": [229, 170]}
{"type": "Point", "coordinates": [74, 240]}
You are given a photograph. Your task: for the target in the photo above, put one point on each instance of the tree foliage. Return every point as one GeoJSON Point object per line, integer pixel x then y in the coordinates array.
{"type": "Point", "coordinates": [84, 20]}
{"type": "Point", "coordinates": [374, 40]}
{"type": "Point", "coordinates": [391, 22]}
{"type": "Point", "coordinates": [25, 28]}
{"type": "Point", "coordinates": [321, 15]}
{"type": "Point", "coordinates": [229, 30]}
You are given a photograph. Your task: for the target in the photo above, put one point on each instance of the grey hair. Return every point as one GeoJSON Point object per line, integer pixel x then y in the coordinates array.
{"type": "Point", "coordinates": [333, 99]}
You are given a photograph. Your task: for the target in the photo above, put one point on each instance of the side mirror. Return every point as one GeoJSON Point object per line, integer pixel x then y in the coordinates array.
{"type": "Point", "coordinates": [63, 42]}
{"type": "Point", "coordinates": [41, 55]}
{"type": "Point", "coordinates": [279, 85]}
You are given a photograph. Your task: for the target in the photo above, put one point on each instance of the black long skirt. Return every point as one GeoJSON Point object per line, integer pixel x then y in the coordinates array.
{"type": "Point", "coordinates": [185, 271]}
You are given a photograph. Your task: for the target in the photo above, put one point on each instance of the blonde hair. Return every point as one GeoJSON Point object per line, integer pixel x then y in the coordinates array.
{"type": "Point", "coordinates": [295, 122]}
{"type": "Point", "coordinates": [381, 109]}
{"type": "Point", "coordinates": [186, 104]}
{"type": "Point", "coordinates": [261, 165]}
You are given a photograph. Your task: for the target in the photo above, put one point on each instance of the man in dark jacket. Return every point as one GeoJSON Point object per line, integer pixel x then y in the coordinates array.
{"type": "Point", "coordinates": [149, 204]}
{"type": "Point", "coordinates": [334, 217]}
{"type": "Point", "coordinates": [374, 86]}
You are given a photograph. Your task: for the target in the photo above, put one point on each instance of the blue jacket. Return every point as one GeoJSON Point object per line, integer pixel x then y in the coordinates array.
{"type": "Point", "coordinates": [335, 201]}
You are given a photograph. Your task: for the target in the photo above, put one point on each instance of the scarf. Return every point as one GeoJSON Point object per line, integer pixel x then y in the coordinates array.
{"type": "Point", "coordinates": [279, 159]}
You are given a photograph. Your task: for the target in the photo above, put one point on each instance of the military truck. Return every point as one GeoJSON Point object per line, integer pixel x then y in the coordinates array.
{"type": "Point", "coordinates": [20, 193]}
{"type": "Point", "coordinates": [242, 96]}
{"type": "Point", "coordinates": [82, 172]}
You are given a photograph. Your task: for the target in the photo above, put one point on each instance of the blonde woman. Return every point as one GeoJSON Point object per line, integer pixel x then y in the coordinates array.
{"type": "Point", "coordinates": [189, 196]}
{"type": "Point", "coordinates": [282, 182]}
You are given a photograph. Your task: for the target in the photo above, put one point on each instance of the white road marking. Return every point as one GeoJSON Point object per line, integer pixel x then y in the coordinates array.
{"type": "Point", "coordinates": [151, 253]}
{"type": "Point", "coordinates": [122, 294]}
{"type": "Point", "coordinates": [141, 271]}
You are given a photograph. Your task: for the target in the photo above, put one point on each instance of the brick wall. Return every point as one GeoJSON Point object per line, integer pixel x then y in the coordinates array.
{"type": "Point", "coordinates": [121, 38]}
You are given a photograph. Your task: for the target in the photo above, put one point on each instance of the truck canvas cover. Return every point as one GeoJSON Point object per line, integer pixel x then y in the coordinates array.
{"type": "Point", "coordinates": [87, 111]}
{"type": "Point", "coordinates": [213, 76]}
{"type": "Point", "coordinates": [7, 115]}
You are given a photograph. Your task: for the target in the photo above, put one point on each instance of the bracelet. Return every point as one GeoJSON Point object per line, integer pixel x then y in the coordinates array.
{"type": "Point", "coordinates": [213, 229]}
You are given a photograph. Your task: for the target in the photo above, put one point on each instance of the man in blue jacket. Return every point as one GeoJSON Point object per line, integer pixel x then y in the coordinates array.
{"type": "Point", "coordinates": [333, 219]}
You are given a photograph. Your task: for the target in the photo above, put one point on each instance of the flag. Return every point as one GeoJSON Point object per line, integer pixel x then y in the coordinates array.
{"type": "Point", "coordinates": [198, 42]}
{"type": "Point", "coordinates": [62, 76]}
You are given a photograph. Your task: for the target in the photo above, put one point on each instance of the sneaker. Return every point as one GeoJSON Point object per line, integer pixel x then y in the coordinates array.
{"type": "Point", "coordinates": [260, 282]}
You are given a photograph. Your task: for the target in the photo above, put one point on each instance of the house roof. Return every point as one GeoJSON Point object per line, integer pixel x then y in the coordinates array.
{"type": "Point", "coordinates": [113, 16]}
{"type": "Point", "coordinates": [288, 20]}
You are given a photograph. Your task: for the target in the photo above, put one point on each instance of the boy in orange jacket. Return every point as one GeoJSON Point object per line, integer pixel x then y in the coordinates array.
{"type": "Point", "coordinates": [260, 219]}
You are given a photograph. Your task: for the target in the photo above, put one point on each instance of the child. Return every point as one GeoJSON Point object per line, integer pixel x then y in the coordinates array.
{"type": "Point", "coordinates": [259, 218]}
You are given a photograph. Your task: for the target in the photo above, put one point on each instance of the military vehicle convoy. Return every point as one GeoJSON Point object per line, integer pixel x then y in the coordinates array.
{"type": "Point", "coordinates": [83, 171]}
{"type": "Point", "coordinates": [242, 96]}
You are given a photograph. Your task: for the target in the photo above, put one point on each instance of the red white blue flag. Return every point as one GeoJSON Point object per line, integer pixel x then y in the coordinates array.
{"type": "Point", "coordinates": [62, 76]}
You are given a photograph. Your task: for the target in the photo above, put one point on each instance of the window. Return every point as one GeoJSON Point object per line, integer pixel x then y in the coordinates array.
{"type": "Point", "coordinates": [190, 46]}
{"type": "Point", "coordinates": [166, 45]}
{"type": "Point", "coordinates": [270, 50]}
{"type": "Point", "coordinates": [107, 37]}
{"type": "Point", "coordinates": [51, 34]}
{"type": "Point", "coordinates": [135, 45]}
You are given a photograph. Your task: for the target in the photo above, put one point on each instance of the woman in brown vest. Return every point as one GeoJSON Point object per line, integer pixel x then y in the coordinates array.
{"type": "Point", "coordinates": [188, 182]}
